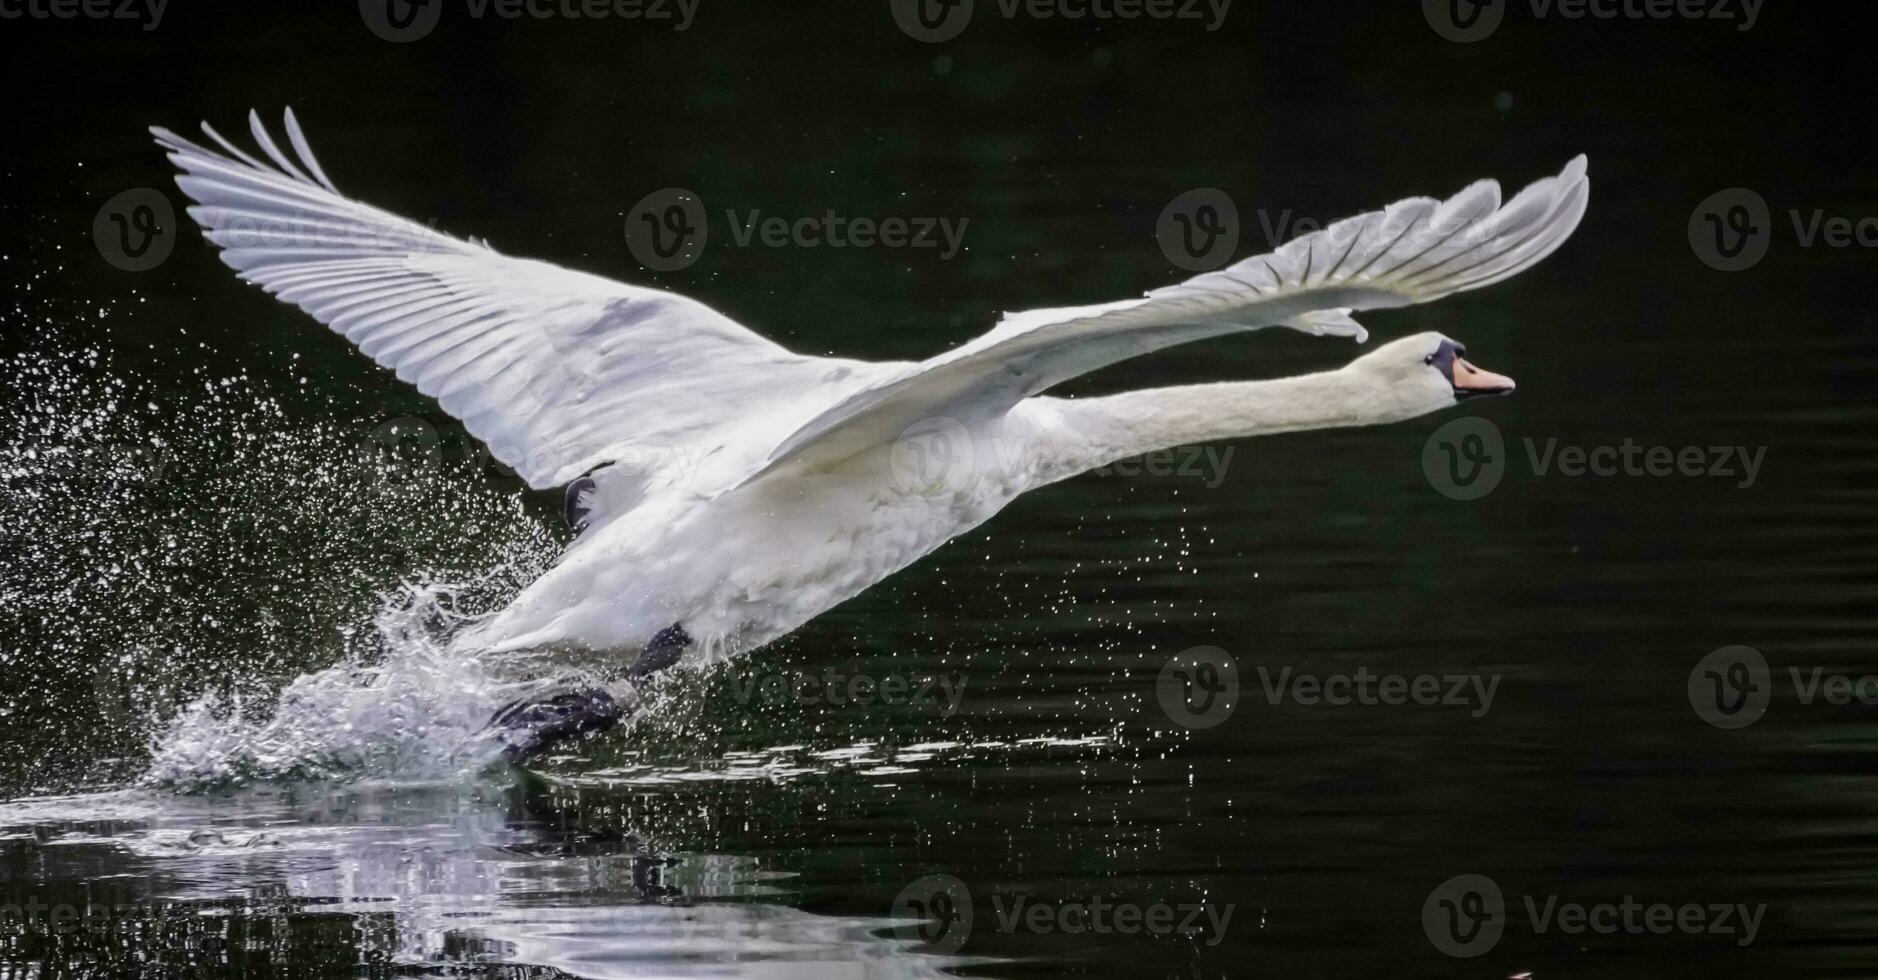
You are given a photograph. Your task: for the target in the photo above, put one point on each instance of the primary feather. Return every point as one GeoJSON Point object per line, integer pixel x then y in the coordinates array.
{"type": "Point", "coordinates": [558, 371]}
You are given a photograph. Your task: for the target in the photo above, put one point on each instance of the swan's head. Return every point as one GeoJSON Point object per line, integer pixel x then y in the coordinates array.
{"type": "Point", "coordinates": [1427, 372]}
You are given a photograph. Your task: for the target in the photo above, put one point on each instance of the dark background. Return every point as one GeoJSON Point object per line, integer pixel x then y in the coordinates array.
{"type": "Point", "coordinates": [1061, 142]}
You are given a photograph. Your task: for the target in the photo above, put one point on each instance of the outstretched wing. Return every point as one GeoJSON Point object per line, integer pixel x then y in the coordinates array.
{"type": "Point", "coordinates": [1412, 251]}
{"type": "Point", "coordinates": [558, 371]}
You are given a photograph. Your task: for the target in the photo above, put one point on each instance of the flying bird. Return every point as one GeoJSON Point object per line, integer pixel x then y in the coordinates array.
{"type": "Point", "coordinates": [728, 490]}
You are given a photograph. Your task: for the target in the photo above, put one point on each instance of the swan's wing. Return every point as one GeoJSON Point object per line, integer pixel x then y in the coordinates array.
{"type": "Point", "coordinates": [1412, 251]}
{"type": "Point", "coordinates": [558, 371]}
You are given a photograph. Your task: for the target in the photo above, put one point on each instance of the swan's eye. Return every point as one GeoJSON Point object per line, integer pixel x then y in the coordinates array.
{"type": "Point", "coordinates": [1430, 359]}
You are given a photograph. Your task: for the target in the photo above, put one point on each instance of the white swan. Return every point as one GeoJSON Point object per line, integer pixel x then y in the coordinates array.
{"type": "Point", "coordinates": [731, 489]}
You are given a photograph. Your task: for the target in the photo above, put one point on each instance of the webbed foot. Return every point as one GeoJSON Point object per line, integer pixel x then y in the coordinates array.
{"type": "Point", "coordinates": [529, 728]}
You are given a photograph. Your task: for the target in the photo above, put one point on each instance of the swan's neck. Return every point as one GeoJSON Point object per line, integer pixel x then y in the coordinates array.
{"type": "Point", "coordinates": [1097, 431]}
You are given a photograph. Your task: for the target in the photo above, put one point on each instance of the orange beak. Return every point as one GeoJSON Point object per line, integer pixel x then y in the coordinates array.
{"type": "Point", "coordinates": [1470, 381]}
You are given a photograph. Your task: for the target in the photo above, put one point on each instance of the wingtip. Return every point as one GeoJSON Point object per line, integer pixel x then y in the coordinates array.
{"type": "Point", "coordinates": [1576, 168]}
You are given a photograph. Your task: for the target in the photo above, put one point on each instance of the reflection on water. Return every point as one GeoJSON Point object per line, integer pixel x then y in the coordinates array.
{"type": "Point", "coordinates": [406, 879]}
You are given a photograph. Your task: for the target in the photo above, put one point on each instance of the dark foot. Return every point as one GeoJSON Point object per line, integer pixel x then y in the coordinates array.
{"type": "Point", "coordinates": [528, 729]}
{"type": "Point", "coordinates": [662, 652]}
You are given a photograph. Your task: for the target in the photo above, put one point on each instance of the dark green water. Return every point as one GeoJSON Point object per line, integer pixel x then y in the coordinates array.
{"type": "Point", "coordinates": [725, 838]}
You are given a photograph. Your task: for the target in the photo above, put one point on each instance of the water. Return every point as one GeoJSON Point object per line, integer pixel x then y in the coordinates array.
{"type": "Point", "coordinates": [229, 725]}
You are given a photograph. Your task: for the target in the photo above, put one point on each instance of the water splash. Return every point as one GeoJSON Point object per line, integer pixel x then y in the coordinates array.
{"type": "Point", "coordinates": [195, 588]}
{"type": "Point", "coordinates": [197, 565]}
{"type": "Point", "coordinates": [413, 708]}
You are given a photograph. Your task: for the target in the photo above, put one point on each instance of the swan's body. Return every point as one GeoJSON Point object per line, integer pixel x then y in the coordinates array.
{"type": "Point", "coordinates": [738, 489]}
{"type": "Point", "coordinates": [770, 555]}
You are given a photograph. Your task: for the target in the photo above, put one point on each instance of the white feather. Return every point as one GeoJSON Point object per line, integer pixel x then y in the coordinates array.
{"type": "Point", "coordinates": [1413, 251]}
{"type": "Point", "coordinates": [741, 489]}
{"type": "Point", "coordinates": [558, 371]}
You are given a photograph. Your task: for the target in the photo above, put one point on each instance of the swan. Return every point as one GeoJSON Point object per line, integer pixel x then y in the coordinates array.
{"type": "Point", "coordinates": [726, 489]}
